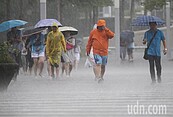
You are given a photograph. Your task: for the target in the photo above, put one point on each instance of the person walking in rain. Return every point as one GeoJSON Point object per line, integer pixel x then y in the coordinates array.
{"type": "Point", "coordinates": [55, 45]}
{"type": "Point", "coordinates": [46, 58]}
{"type": "Point", "coordinates": [154, 54]}
{"type": "Point", "coordinates": [15, 42]}
{"type": "Point", "coordinates": [123, 46]}
{"type": "Point", "coordinates": [69, 56]}
{"type": "Point", "coordinates": [99, 39]}
{"type": "Point", "coordinates": [77, 51]}
{"type": "Point", "coordinates": [130, 44]}
{"type": "Point", "coordinates": [37, 52]}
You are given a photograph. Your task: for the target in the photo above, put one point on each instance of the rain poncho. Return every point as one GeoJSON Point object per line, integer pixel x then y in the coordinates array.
{"type": "Point", "coordinates": [55, 45]}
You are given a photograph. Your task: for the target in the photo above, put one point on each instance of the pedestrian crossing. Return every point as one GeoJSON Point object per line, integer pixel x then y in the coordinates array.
{"type": "Point", "coordinates": [54, 104]}
{"type": "Point", "coordinates": [81, 96]}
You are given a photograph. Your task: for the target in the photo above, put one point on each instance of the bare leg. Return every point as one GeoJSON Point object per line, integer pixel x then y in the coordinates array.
{"type": "Point", "coordinates": [102, 71]}
{"type": "Point", "coordinates": [76, 65]}
{"type": "Point", "coordinates": [98, 71]}
{"type": "Point", "coordinates": [57, 72]}
{"type": "Point", "coordinates": [41, 65]}
{"type": "Point", "coordinates": [52, 71]}
{"type": "Point", "coordinates": [35, 65]}
{"type": "Point", "coordinates": [66, 68]}
{"type": "Point", "coordinates": [70, 68]}
{"type": "Point", "coordinates": [94, 70]}
{"type": "Point", "coordinates": [48, 67]}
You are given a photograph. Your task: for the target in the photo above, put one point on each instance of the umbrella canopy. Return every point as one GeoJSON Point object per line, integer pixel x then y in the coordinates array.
{"type": "Point", "coordinates": [30, 31]}
{"type": "Point", "coordinates": [127, 36]}
{"type": "Point", "coordinates": [10, 24]}
{"type": "Point", "coordinates": [47, 23]}
{"type": "Point", "coordinates": [70, 29]}
{"type": "Point", "coordinates": [144, 20]}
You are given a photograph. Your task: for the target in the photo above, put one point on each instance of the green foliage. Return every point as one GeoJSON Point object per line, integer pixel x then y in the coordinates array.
{"type": "Point", "coordinates": [4, 54]}
{"type": "Point", "coordinates": [89, 3]}
{"type": "Point", "coordinates": [154, 4]}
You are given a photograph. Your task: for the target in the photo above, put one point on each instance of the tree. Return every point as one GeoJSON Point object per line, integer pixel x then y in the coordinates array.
{"type": "Point", "coordinates": [89, 5]}
{"type": "Point", "coordinates": [151, 5]}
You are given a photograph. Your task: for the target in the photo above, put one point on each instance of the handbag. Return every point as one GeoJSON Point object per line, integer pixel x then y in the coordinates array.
{"type": "Point", "coordinates": [69, 46]}
{"type": "Point", "coordinates": [146, 49]}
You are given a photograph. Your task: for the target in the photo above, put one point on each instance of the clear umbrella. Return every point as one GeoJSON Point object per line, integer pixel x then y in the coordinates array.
{"type": "Point", "coordinates": [47, 23]}
{"type": "Point", "coordinates": [70, 29]}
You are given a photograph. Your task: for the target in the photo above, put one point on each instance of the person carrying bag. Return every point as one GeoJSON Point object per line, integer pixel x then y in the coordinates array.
{"type": "Point", "coordinates": [153, 37]}
{"type": "Point", "coordinates": [146, 49]}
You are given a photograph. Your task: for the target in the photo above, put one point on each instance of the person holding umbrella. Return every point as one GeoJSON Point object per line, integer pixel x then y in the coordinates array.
{"type": "Point", "coordinates": [68, 58]}
{"type": "Point", "coordinates": [13, 35]}
{"type": "Point", "coordinates": [55, 45]}
{"type": "Point", "coordinates": [37, 52]}
{"type": "Point", "coordinates": [15, 47]}
{"type": "Point", "coordinates": [154, 55]}
{"type": "Point", "coordinates": [99, 39]}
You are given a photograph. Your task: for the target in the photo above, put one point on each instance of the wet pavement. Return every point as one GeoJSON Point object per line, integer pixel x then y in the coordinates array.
{"type": "Point", "coordinates": [126, 88]}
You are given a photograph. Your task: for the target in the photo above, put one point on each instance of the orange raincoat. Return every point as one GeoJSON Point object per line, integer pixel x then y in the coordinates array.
{"type": "Point", "coordinates": [99, 40]}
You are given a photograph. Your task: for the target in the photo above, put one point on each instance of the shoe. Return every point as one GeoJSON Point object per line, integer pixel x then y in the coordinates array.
{"type": "Point", "coordinates": [130, 60]}
{"type": "Point", "coordinates": [54, 78]}
{"type": "Point", "coordinates": [40, 76]}
{"type": "Point", "coordinates": [159, 80]}
{"type": "Point", "coordinates": [153, 82]}
{"type": "Point", "coordinates": [100, 80]}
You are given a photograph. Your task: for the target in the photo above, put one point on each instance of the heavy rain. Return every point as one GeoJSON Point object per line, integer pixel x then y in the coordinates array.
{"type": "Point", "coordinates": [86, 58]}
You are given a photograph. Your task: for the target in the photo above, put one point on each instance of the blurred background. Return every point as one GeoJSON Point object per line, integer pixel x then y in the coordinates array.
{"type": "Point", "coordinates": [83, 14]}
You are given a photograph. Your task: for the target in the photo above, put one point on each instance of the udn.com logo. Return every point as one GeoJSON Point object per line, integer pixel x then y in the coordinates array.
{"type": "Point", "coordinates": [140, 109]}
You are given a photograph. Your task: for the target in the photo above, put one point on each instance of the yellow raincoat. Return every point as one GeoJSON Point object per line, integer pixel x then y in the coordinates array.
{"type": "Point", "coordinates": [55, 45]}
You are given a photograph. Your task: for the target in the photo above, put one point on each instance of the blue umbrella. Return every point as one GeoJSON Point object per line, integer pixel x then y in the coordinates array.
{"type": "Point", "coordinates": [10, 24]}
{"type": "Point", "coordinates": [47, 22]}
{"type": "Point", "coordinates": [144, 20]}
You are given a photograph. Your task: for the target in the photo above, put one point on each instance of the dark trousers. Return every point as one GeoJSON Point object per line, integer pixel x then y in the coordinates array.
{"type": "Point", "coordinates": [155, 61]}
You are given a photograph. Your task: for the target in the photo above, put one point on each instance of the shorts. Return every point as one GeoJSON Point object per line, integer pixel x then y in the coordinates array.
{"type": "Point", "coordinates": [100, 59]}
{"type": "Point", "coordinates": [37, 54]}
{"type": "Point", "coordinates": [77, 56]}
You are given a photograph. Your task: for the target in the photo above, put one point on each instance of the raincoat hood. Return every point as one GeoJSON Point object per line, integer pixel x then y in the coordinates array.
{"type": "Point", "coordinates": [55, 24]}
{"type": "Point", "coordinates": [101, 23]}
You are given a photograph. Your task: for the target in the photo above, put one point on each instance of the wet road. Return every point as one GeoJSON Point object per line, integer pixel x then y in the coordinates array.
{"type": "Point", "coordinates": [126, 88]}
